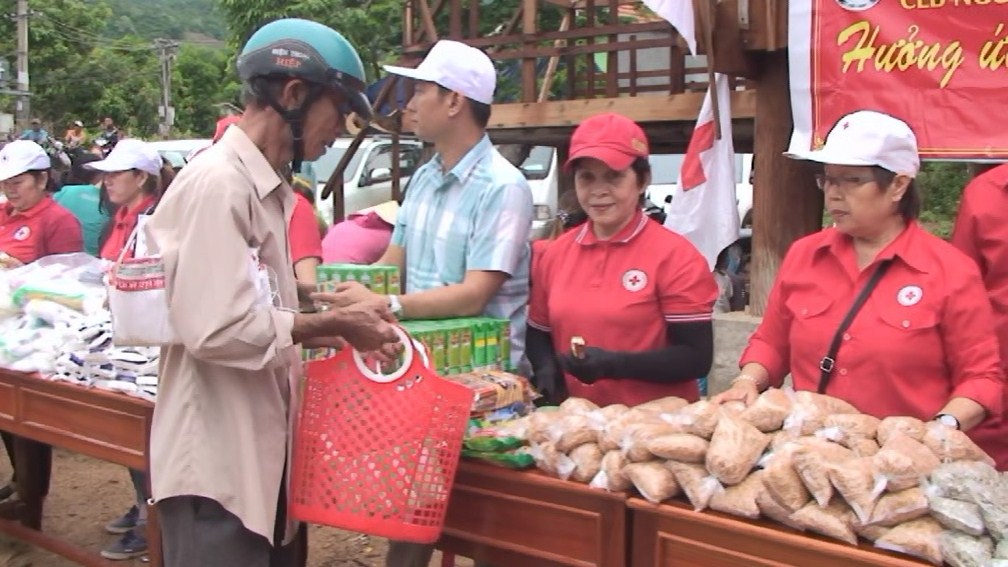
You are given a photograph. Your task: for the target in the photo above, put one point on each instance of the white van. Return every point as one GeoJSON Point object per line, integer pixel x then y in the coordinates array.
{"type": "Point", "coordinates": [367, 180]}
{"type": "Point", "coordinates": [540, 169]}
{"type": "Point", "coordinates": [665, 176]}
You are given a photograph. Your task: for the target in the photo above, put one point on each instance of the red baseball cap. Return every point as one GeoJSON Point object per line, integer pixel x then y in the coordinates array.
{"type": "Point", "coordinates": [611, 138]}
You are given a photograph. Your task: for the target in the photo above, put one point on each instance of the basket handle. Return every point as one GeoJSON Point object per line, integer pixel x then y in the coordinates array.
{"type": "Point", "coordinates": [408, 350]}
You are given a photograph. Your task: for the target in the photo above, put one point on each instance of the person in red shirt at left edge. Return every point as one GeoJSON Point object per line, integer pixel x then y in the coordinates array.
{"type": "Point", "coordinates": [921, 343]}
{"type": "Point", "coordinates": [639, 295]}
{"type": "Point", "coordinates": [32, 224]}
{"type": "Point", "coordinates": [981, 231]}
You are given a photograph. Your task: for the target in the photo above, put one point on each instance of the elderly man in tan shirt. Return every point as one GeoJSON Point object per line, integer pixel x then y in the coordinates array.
{"type": "Point", "coordinates": [220, 442]}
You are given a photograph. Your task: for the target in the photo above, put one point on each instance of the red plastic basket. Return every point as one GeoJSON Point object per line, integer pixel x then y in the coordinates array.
{"type": "Point", "coordinates": [377, 454]}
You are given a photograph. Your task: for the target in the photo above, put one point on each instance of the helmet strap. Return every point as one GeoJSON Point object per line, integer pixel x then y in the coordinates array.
{"type": "Point", "coordinates": [294, 117]}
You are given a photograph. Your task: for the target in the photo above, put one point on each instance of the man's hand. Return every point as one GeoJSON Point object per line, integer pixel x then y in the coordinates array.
{"type": "Point", "coordinates": [366, 325]}
{"type": "Point", "coordinates": [347, 294]}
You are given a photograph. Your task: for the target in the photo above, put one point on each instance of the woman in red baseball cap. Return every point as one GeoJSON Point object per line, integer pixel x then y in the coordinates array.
{"type": "Point", "coordinates": [621, 308]}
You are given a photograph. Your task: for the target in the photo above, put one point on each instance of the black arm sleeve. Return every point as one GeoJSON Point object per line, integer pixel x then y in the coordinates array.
{"type": "Point", "coordinates": [539, 350]}
{"type": "Point", "coordinates": [689, 356]}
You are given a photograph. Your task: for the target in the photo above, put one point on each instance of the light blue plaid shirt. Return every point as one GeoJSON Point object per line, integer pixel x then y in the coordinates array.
{"type": "Point", "coordinates": [475, 217]}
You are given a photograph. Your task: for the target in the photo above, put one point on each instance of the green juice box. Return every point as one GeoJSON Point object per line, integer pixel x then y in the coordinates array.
{"type": "Point", "coordinates": [453, 338]}
{"type": "Point", "coordinates": [479, 339]}
{"type": "Point", "coordinates": [439, 349]}
{"type": "Point", "coordinates": [393, 284]}
{"type": "Point", "coordinates": [379, 280]}
{"type": "Point", "coordinates": [492, 332]}
{"type": "Point", "coordinates": [504, 336]}
{"type": "Point", "coordinates": [466, 347]}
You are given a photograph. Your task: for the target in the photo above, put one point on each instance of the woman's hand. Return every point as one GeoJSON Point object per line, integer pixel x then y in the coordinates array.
{"type": "Point", "coordinates": [742, 390]}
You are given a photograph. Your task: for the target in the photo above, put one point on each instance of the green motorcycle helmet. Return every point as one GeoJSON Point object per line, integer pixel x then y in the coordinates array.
{"type": "Point", "coordinates": [309, 51]}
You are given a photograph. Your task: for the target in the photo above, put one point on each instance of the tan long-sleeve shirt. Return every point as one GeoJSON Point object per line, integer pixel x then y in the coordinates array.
{"type": "Point", "coordinates": [222, 422]}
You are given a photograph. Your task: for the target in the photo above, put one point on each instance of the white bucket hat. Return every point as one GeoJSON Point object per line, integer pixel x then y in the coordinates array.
{"type": "Point", "coordinates": [130, 154]}
{"type": "Point", "coordinates": [21, 156]}
{"type": "Point", "coordinates": [868, 138]}
{"type": "Point", "coordinates": [457, 67]}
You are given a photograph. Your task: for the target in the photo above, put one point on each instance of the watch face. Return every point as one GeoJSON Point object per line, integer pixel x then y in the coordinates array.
{"type": "Point", "coordinates": [948, 421]}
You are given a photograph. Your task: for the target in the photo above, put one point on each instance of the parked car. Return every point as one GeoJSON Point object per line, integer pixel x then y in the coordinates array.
{"type": "Point", "coordinates": [540, 169]}
{"type": "Point", "coordinates": [665, 176]}
{"type": "Point", "coordinates": [367, 180]}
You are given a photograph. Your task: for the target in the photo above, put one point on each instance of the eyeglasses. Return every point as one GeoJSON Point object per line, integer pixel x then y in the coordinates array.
{"type": "Point", "coordinates": [843, 182]}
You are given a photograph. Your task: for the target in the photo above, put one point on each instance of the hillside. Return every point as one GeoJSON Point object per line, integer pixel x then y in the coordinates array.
{"type": "Point", "coordinates": [195, 20]}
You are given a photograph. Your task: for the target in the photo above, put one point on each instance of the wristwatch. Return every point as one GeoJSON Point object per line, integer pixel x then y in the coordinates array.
{"type": "Point", "coordinates": [948, 420]}
{"type": "Point", "coordinates": [395, 305]}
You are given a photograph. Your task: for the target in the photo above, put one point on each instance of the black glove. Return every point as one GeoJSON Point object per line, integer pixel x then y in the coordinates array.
{"type": "Point", "coordinates": [551, 384]}
{"type": "Point", "coordinates": [596, 363]}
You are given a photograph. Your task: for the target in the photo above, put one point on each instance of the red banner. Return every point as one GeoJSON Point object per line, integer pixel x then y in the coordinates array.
{"type": "Point", "coordinates": [939, 65]}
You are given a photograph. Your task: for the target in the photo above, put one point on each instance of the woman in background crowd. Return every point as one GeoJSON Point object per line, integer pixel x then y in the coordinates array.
{"type": "Point", "coordinates": [81, 196]}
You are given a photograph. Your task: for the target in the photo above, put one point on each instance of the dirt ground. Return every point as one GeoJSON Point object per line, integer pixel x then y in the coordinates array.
{"type": "Point", "coordinates": [87, 493]}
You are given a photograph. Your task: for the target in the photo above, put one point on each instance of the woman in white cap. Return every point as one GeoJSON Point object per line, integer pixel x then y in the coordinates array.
{"type": "Point", "coordinates": [875, 310]}
{"type": "Point", "coordinates": [32, 225]}
{"type": "Point", "coordinates": [135, 178]}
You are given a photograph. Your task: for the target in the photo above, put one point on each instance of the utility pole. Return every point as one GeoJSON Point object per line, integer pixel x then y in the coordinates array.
{"type": "Point", "coordinates": [166, 54]}
{"type": "Point", "coordinates": [23, 105]}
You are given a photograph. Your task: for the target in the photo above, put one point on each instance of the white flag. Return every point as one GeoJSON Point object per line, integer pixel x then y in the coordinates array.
{"type": "Point", "coordinates": [704, 207]}
{"type": "Point", "coordinates": [679, 13]}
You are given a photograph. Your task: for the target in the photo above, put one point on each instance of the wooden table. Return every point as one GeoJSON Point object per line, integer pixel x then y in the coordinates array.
{"type": "Point", "coordinates": [524, 518]}
{"type": "Point", "coordinates": [673, 535]}
{"type": "Point", "coordinates": [104, 425]}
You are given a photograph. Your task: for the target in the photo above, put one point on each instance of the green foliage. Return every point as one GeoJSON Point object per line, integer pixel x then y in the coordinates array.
{"type": "Point", "coordinates": [80, 73]}
{"type": "Point", "coordinates": [172, 19]}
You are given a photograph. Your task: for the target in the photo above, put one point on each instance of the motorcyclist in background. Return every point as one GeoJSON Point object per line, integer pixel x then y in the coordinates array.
{"type": "Point", "coordinates": [36, 133]}
{"type": "Point", "coordinates": [109, 136]}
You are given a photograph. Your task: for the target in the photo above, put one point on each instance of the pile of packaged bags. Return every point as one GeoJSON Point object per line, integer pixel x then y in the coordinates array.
{"type": "Point", "coordinates": [808, 461]}
{"type": "Point", "coordinates": [54, 322]}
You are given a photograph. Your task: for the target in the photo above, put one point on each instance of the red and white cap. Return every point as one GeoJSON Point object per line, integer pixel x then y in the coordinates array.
{"type": "Point", "coordinates": [21, 156]}
{"type": "Point", "coordinates": [457, 67]}
{"type": "Point", "coordinates": [868, 138]}
{"type": "Point", "coordinates": [610, 138]}
{"type": "Point", "coordinates": [130, 154]}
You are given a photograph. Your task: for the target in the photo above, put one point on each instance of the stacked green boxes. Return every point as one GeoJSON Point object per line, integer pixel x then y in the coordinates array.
{"type": "Point", "coordinates": [463, 345]}
{"type": "Point", "coordinates": [379, 279]}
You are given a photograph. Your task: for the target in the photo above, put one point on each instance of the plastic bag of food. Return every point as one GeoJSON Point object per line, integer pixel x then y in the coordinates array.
{"type": "Point", "coordinates": [898, 507]}
{"type": "Point", "coordinates": [578, 406]}
{"type": "Point", "coordinates": [699, 418]}
{"type": "Point", "coordinates": [909, 426]}
{"type": "Point", "coordinates": [855, 481]}
{"type": "Point", "coordinates": [551, 461]}
{"type": "Point", "coordinates": [863, 447]}
{"type": "Point", "coordinates": [806, 417]}
{"type": "Point", "coordinates": [613, 479]}
{"type": "Point", "coordinates": [813, 461]}
{"type": "Point", "coordinates": [587, 462]}
{"type": "Point", "coordinates": [829, 404]}
{"type": "Point", "coordinates": [735, 448]}
{"type": "Point", "coordinates": [636, 438]}
{"type": "Point", "coordinates": [1001, 551]}
{"type": "Point", "coordinates": [653, 480]}
{"type": "Point", "coordinates": [517, 460]}
{"type": "Point", "coordinates": [670, 404]}
{"type": "Point", "coordinates": [953, 445]}
{"type": "Point", "coordinates": [869, 532]}
{"type": "Point", "coordinates": [848, 427]}
{"type": "Point", "coordinates": [680, 447]}
{"type": "Point", "coordinates": [613, 411]}
{"type": "Point", "coordinates": [539, 423]}
{"type": "Point", "coordinates": [835, 521]}
{"type": "Point", "coordinates": [734, 407]}
{"type": "Point", "coordinates": [769, 410]}
{"type": "Point", "coordinates": [957, 515]}
{"type": "Point", "coordinates": [783, 482]}
{"type": "Point", "coordinates": [696, 483]}
{"type": "Point", "coordinates": [571, 431]}
{"type": "Point", "coordinates": [740, 500]}
{"type": "Point", "coordinates": [961, 550]}
{"type": "Point", "coordinates": [902, 462]}
{"type": "Point", "coordinates": [963, 480]}
{"type": "Point", "coordinates": [917, 538]}
{"type": "Point", "coordinates": [994, 509]}
{"type": "Point", "coordinates": [771, 509]}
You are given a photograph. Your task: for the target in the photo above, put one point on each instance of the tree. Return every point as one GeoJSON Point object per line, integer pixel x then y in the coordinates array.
{"type": "Point", "coordinates": [200, 79]}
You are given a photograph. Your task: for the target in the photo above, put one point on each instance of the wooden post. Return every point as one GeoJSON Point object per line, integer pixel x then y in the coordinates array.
{"type": "Point", "coordinates": [786, 203]}
{"type": "Point", "coordinates": [455, 19]}
{"type": "Point", "coordinates": [530, 17]}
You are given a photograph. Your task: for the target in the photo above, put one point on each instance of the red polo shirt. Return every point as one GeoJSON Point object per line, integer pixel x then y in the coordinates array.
{"type": "Point", "coordinates": [925, 335]}
{"type": "Point", "coordinates": [43, 230]}
{"type": "Point", "coordinates": [620, 295]}
{"type": "Point", "coordinates": [304, 233]}
{"type": "Point", "coordinates": [981, 231]}
{"type": "Point", "coordinates": [123, 224]}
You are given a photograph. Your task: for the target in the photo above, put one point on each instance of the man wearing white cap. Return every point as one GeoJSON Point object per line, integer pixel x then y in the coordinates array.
{"type": "Point", "coordinates": [461, 237]}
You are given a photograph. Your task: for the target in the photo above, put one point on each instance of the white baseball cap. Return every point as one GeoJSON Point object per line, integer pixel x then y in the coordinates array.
{"type": "Point", "coordinates": [457, 67]}
{"type": "Point", "coordinates": [20, 156]}
{"type": "Point", "coordinates": [130, 154]}
{"type": "Point", "coordinates": [868, 138]}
